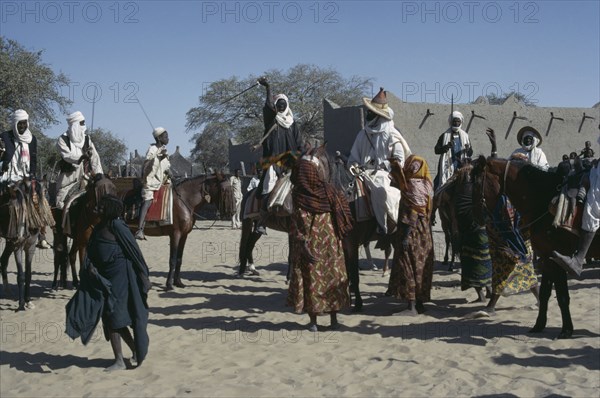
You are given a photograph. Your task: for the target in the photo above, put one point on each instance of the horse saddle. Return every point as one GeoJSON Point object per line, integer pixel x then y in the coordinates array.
{"type": "Point", "coordinates": [279, 201]}
{"type": "Point", "coordinates": [567, 211]}
{"type": "Point", "coordinates": [160, 211]}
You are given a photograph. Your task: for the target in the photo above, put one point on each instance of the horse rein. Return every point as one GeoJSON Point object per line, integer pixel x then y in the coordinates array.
{"type": "Point", "coordinates": [192, 212]}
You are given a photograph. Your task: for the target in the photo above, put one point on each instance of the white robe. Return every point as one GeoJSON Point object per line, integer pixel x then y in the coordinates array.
{"type": "Point", "coordinates": [591, 210]}
{"type": "Point", "coordinates": [446, 167]}
{"type": "Point", "coordinates": [156, 176]}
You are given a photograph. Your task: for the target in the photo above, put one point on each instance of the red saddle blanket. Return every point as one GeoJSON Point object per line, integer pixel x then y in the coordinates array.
{"type": "Point", "coordinates": [160, 208]}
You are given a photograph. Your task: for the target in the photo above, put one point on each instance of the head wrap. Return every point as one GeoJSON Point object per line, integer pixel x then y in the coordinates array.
{"type": "Point", "coordinates": [19, 116]}
{"type": "Point", "coordinates": [75, 131]}
{"type": "Point", "coordinates": [415, 184]}
{"type": "Point", "coordinates": [533, 145]}
{"type": "Point", "coordinates": [157, 132]}
{"type": "Point", "coordinates": [286, 117]}
{"type": "Point", "coordinates": [456, 115]}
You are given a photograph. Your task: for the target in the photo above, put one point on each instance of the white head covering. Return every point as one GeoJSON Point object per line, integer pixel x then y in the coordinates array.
{"type": "Point", "coordinates": [158, 131]}
{"type": "Point", "coordinates": [455, 115]}
{"type": "Point", "coordinates": [286, 117]}
{"type": "Point", "coordinates": [76, 132]}
{"type": "Point", "coordinates": [19, 116]}
{"type": "Point", "coordinates": [533, 145]}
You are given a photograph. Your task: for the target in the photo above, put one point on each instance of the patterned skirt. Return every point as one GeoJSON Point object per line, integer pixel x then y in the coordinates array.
{"type": "Point", "coordinates": [510, 274]}
{"type": "Point", "coordinates": [322, 286]}
{"type": "Point", "coordinates": [412, 269]}
{"type": "Point", "coordinates": [475, 259]}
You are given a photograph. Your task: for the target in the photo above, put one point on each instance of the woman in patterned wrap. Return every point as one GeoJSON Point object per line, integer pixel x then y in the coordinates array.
{"type": "Point", "coordinates": [321, 218]}
{"type": "Point", "coordinates": [412, 267]}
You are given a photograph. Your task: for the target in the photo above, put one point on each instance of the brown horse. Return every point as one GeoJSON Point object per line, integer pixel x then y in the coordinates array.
{"type": "Point", "coordinates": [189, 196]}
{"type": "Point", "coordinates": [362, 232]}
{"type": "Point", "coordinates": [26, 243]}
{"type": "Point", "coordinates": [444, 204]}
{"type": "Point", "coordinates": [530, 190]}
{"type": "Point", "coordinates": [83, 217]}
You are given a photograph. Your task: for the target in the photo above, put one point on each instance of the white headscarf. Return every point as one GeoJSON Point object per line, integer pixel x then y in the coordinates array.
{"type": "Point", "coordinates": [456, 115]}
{"type": "Point", "coordinates": [19, 116]}
{"type": "Point", "coordinates": [76, 132]}
{"type": "Point", "coordinates": [286, 117]}
{"type": "Point", "coordinates": [533, 145]}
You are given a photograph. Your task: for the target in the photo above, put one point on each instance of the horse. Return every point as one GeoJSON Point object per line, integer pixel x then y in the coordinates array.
{"type": "Point", "coordinates": [362, 231]}
{"type": "Point", "coordinates": [189, 195]}
{"type": "Point", "coordinates": [14, 201]}
{"type": "Point", "coordinates": [443, 202]}
{"type": "Point", "coordinates": [83, 217]}
{"type": "Point", "coordinates": [530, 190]}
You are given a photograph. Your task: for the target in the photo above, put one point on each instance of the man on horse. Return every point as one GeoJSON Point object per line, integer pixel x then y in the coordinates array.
{"type": "Point", "coordinates": [281, 135]}
{"type": "Point", "coordinates": [18, 158]}
{"type": "Point", "coordinates": [377, 142]}
{"type": "Point", "coordinates": [79, 160]}
{"type": "Point", "coordinates": [454, 148]}
{"type": "Point", "coordinates": [530, 151]}
{"type": "Point", "coordinates": [156, 172]}
{"type": "Point", "coordinates": [590, 222]}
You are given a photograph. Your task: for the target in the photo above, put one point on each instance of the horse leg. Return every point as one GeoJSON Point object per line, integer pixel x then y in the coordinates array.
{"type": "Point", "coordinates": [177, 278]}
{"type": "Point", "coordinates": [29, 253]}
{"type": "Point", "coordinates": [447, 240]}
{"type": "Point", "coordinates": [545, 293]}
{"type": "Point", "coordinates": [563, 298]}
{"type": "Point", "coordinates": [174, 242]}
{"type": "Point", "coordinates": [20, 278]}
{"type": "Point", "coordinates": [76, 252]}
{"type": "Point", "coordinates": [4, 265]}
{"type": "Point", "coordinates": [351, 254]}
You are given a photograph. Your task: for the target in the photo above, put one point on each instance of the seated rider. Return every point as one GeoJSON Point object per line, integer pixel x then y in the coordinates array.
{"type": "Point", "coordinates": [281, 135]}
{"type": "Point", "coordinates": [377, 142]}
{"type": "Point", "coordinates": [18, 159]}
{"type": "Point", "coordinates": [156, 172]}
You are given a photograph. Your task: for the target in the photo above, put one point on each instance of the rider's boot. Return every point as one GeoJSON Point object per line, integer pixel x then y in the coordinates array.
{"type": "Point", "coordinates": [264, 214]}
{"type": "Point", "coordinates": [144, 210]}
{"type": "Point", "coordinates": [574, 264]}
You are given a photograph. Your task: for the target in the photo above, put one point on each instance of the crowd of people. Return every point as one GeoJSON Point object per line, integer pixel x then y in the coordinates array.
{"type": "Point", "coordinates": [396, 182]}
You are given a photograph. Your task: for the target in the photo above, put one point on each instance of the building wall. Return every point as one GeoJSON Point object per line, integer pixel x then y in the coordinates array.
{"type": "Point", "coordinates": [558, 136]}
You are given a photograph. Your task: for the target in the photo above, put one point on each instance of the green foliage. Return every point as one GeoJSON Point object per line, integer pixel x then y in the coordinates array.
{"type": "Point", "coordinates": [27, 83]}
{"type": "Point", "coordinates": [241, 119]}
{"type": "Point", "coordinates": [499, 100]}
{"type": "Point", "coordinates": [111, 149]}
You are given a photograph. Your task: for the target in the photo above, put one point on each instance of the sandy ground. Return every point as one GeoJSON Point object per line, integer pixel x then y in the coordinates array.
{"type": "Point", "coordinates": [228, 337]}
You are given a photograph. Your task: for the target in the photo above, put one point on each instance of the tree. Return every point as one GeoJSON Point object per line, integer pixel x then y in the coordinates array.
{"type": "Point", "coordinates": [241, 118]}
{"type": "Point", "coordinates": [27, 83]}
{"type": "Point", "coordinates": [111, 149]}
{"type": "Point", "coordinates": [499, 100]}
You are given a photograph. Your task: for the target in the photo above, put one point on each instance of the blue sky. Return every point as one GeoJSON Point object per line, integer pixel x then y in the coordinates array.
{"type": "Point", "coordinates": [165, 52]}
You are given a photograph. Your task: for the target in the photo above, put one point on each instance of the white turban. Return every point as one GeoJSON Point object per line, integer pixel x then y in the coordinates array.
{"type": "Point", "coordinates": [456, 115]}
{"type": "Point", "coordinates": [76, 132]}
{"type": "Point", "coordinates": [286, 117]}
{"type": "Point", "coordinates": [75, 117]}
{"type": "Point", "coordinates": [19, 116]}
{"type": "Point", "coordinates": [158, 131]}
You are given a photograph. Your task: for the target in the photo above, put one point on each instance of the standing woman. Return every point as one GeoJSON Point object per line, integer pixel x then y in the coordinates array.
{"type": "Point", "coordinates": [321, 218]}
{"type": "Point", "coordinates": [412, 267]}
{"type": "Point", "coordinates": [116, 267]}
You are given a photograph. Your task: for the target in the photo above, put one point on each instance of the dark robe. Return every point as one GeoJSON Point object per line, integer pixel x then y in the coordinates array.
{"type": "Point", "coordinates": [10, 145]}
{"type": "Point", "coordinates": [117, 293]}
{"type": "Point", "coordinates": [281, 139]}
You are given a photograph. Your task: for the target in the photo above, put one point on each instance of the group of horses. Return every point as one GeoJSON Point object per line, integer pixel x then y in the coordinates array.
{"type": "Point", "coordinates": [528, 188]}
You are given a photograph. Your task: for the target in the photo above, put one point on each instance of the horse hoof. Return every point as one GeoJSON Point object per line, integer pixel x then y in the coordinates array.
{"type": "Point", "coordinates": [179, 283]}
{"type": "Point", "coordinates": [565, 334]}
{"type": "Point", "coordinates": [20, 308]}
{"type": "Point", "coordinates": [536, 329]}
{"type": "Point", "coordinates": [29, 305]}
{"type": "Point", "coordinates": [357, 308]}
{"type": "Point", "coordinates": [169, 287]}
